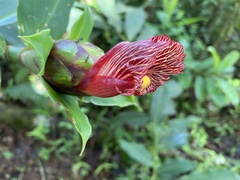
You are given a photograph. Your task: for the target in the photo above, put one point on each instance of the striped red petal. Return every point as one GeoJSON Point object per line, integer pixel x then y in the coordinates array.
{"type": "Point", "coordinates": [134, 68]}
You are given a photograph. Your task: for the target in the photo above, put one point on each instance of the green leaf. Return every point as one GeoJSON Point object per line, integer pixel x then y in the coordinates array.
{"type": "Point", "coordinates": [8, 13]}
{"type": "Point", "coordinates": [215, 55]}
{"type": "Point", "coordinates": [0, 78]}
{"type": "Point", "coordinates": [8, 22]}
{"type": "Point", "coordinates": [169, 7]}
{"type": "Point", "coordinates": [164, 18]}
{"type": "Point", "coordinates": [188, 21]}
{"type": "Point", "coordinates": [134, 20]}
{"type": "Point", "coordinates": [200, 88]}
{"type": "Point", "coordinates": [147, 31]}
{"type": "Point", "coordinates": [82, 28]}
{"type": "Point", "coordinates": [55, 96]}
{"type": "Point", "coordinates": [79, 119]}
{"type": "Point", "coordinates": [10, 33]}
{"type": "Point", "coordinates": [212, 174]}
{"type": "Point", "coordinates": [162, 103]}
{"type": "Point", "coordinates": [137, 152]}
{"type": "Point", "coordinates": [228, 61]}
{"type": "Point", "coordinates": [22, 91]}
{"type": "Point", "coordinates": [42, 43]}
{"type": "Point", "coordinates": [110, 10]}
{"type": "Point", "coordinates": [199, 66]}
{"type": "Point", "coordinates": [215, 93]}
{"type": "Point", "coordinates": [38, 132]}
{"type": "Point", "coordinates": [185, 79]}
{"type": "Point", "coordinates": [173, 88]}
{"type": "Point", "coordinates": [3, 47]}
{"type": "Point", "coordinates": [121, 101]}
{"type": "Point", "coordinates": [176, 135]}
{"type": "Point", "coordinates": [7, 154]}
{"type": "Point", "coordinates": [133, 118]}
{"type": "Point", "coordinates": [159, 100]}
{"type": "Point", "coordinates": [172, 168]}
{"type": "Point", "coordinates": [34, 16]}
{"type": "Point", "coordinates": [229, 90]}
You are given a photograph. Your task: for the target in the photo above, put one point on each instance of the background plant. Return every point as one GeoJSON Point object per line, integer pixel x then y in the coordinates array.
{"type": "Point", "coordinates": [187, 129]}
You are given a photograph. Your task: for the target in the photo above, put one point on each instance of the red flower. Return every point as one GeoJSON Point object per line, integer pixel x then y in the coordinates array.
{"type": "Point", "coordinates": [134, 68]}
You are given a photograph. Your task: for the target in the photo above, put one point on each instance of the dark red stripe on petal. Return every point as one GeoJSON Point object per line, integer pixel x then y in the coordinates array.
{"type": "Point", "coordinates": [121, 70]}
{"type": "Point", "coordinates": [169, 61]}
{"type": "Point", "coordinates": [105, 86]}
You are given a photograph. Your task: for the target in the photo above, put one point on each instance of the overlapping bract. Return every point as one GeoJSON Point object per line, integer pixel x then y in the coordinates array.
{"type": "Point", "coordinates": [68, 62]}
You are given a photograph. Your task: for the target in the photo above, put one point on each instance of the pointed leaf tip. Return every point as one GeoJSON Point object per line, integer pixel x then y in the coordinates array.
{"type": "Point", "coordinates": [82, 28]}
{"type": "Point", "coordinates": [41, 43]}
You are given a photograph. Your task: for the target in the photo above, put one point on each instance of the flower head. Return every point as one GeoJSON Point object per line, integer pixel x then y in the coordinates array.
{"type": "Point", "coordinates": [134, 68]}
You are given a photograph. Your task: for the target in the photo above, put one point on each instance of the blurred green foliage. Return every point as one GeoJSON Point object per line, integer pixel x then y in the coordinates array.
{"type": "Point", "coordinates": [187, 129]}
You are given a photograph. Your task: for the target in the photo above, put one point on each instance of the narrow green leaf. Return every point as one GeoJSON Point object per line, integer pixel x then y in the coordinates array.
{"type": "Point", "coordinates": [42, 43]}
{"type": "Point", "coordinates": [121, 101]}
{"type": "Point", "coordinates": [200, 66]}
{"type": "Point", "coordinates": [215, 55]}
{"type": "Point", "coordinates": [82, 28]}
{"type": "Point", "coordinates": [79, 119]}
{"type": "Point", "coordinates": [34, 16]}
{"type": "Point", "coordinates": [3, 47]}
{"type": "Point", "coordinates": [229, 90]}
{"type": "Point", "coordinates": [55, 97]}
{"type": "Point", "coordinates": [110, 10]}
{"type": "Point", "coordinates": [188, 21]}
{"type": "Point", "coordinates": [137, 152]}
{"type": "Point", "coordinates": [38, 132]}
{"type": "Point", "coordinates": [170, 6]}
{"type": "Point", "coordinates": [134, 20]}
{"type": "Point", "coordinates": [229, 60]}
{"type": "Point", "coordinates": [200, 89]}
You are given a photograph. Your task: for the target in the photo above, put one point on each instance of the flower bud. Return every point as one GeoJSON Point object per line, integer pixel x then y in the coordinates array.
{"type": "Point", "coordinates": [68, 62]}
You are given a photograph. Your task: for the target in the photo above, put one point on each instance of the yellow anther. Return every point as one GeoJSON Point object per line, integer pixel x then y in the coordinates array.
{"type": "Point", "coordinates": [145, 82]}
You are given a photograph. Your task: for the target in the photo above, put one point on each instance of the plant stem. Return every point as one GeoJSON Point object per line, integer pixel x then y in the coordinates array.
{"type": "Point", "coordinates": [13, 53]}
{"type": "Point", "coordinates": [156, 159]}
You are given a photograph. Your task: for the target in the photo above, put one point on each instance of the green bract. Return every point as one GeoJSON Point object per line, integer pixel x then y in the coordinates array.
{"type": "Point", "coordinates": [68, 62]}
